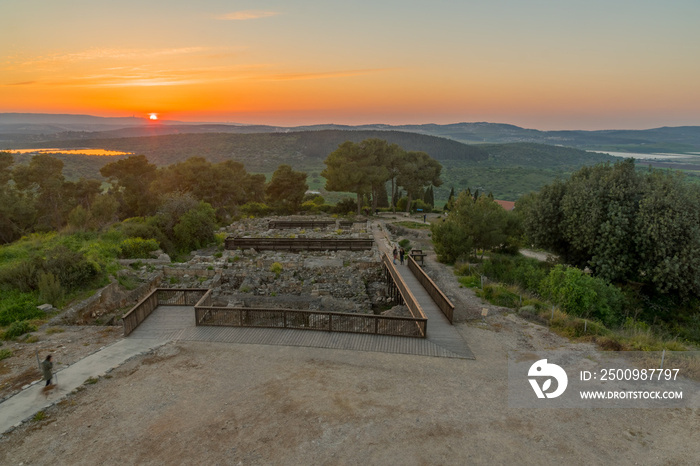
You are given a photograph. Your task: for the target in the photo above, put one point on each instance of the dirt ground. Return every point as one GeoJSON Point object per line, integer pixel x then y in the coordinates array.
{"type": "Point", "coordinates": [219, 403]}
{"type": "Point", "coordinates": [67, 343]}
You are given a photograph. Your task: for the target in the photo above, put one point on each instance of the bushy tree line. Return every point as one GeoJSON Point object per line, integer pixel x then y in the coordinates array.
{"type": "Point", "coordinates": [365, 168]}
{"type": "Point", "coordinates": [36, 196]}
{"type": "Point", "coordinates": [626, 226]}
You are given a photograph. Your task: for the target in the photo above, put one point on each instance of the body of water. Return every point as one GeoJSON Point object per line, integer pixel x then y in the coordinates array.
{"type": "Point", "coordinates": [99, 152]}
{"type": "Point", "coordinates": [638, 156]}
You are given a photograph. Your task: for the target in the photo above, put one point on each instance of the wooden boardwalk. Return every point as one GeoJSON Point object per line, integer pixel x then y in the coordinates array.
{"type": "Point", "coordinates": [177, 323]}
{"type": "Point", "coordinates": [440, 331]}
{"type": "Point", "coordinates": [443, 340]}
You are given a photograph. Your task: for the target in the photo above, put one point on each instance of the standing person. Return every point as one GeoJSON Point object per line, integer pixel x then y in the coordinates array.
{"type": "Point", "coordinates": [424, 217]}
{"type": "Point", "coordinates": [402, 253]}
{"type": "Point", "coordinates": [396, 254]}
{"type": "Point", "coordinates": [46, 369]}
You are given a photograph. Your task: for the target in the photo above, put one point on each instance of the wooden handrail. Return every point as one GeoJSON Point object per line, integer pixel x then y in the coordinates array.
{"type": "Point", "coordinates": [309, 320]}
{"type": "Point", "coordinates": [137, 314]}
{"type": "Point", "coordinates": [299, 244]}
{"type": "Point", "coordinates": [442, 301]}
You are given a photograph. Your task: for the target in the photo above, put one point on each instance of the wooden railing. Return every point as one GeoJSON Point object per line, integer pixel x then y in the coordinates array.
{"type": "Point", "coordinates": [160, 297]}
{"type": "Point", "coordinates": [309, 320]}
{"type": "Point", "coordinates": [299, 244]}
{"type": "Point", "coordinates": [438, 296]}
{"type": "Point", "coordinates": [208, 315]}
{"type": "Point", "coordinates": [409, 300]}
{"type": "Point", "coordinates": [280, 224]}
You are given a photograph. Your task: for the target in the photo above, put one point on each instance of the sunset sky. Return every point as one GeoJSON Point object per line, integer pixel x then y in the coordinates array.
{"type": "Point", "coordinates": [545, 64]}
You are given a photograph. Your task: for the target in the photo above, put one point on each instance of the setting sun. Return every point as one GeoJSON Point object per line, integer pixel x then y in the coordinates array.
{"type": "Point", "coordinates": [153, 116]}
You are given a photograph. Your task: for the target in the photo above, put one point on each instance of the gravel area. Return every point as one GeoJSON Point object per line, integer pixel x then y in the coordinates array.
{"type": "Point", "coordinates": [217, 403]}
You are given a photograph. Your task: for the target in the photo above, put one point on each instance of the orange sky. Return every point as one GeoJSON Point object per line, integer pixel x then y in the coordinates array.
{"type": "Point", "coordinates": [541, 64]}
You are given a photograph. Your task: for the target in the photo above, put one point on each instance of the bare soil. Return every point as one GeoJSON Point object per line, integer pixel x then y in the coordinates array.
{"type": "Point", "coordinates": [67, 343]}
{"type": "Point", "coordinates": [219, 403]}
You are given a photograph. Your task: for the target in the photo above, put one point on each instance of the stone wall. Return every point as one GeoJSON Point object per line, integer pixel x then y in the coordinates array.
{"type": "Point", "coordinates": [103, 306]}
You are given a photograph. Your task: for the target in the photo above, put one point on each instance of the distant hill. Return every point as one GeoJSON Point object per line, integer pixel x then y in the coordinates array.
{"type": "Point", "coordinates": [264, 152]}
{"type": "Point", "coordinates": [504, 159]}
{"type": "Point", "coordinates": [26, 129]}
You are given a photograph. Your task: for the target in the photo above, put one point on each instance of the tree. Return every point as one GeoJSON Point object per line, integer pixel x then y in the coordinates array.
{"type": "Point", "coordinates": [449, 205]}
{"type": "Point", "coordinates": [225, 185]}
{"type": "Point", "coordinates": [429, 197]}
{"type": "Point", "coordinates": [286, 189]}
{"type": "Point", "coordinates": [131, 178]}
{"type": "Point", "coordinates": [42, 180]}
{"type": "Point", "coordinates": [387, 160]}
{"type": "Point", "coordinates": [417, 171]}
{"type": "Point", "coordinates": [6, 161]}
{"type": "Point", "coordinates": [625, 226]}
{"type": "Point", "coordinates": [350, 169]}
{"type": "Point", "coordinates": [471, 225]}
{"type": "Point", "coordinates": [195, 228]}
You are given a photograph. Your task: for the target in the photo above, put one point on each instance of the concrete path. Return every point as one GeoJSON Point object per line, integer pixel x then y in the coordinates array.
{"type": "Point", "coordinates": [31, 400]}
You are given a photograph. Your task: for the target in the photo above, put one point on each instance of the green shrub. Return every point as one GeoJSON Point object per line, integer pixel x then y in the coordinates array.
{"type": "Point", "coordinates": [5, 353]}
{"type": "Point", "coordinates": [309, 206]}
{"type": "Point", "coordinates": [582, 295]}
{"type": "Point", "coordinates": [17, 329]}
{"type": "Point", "coordinates": [71, 268]}
{"type": "Point", "coordinates": [78, 218]}
{"type": "Point", "coordinates": [195, 228]}
{"type": "Point", "coordinates": [464, 269]}
{"type": "Point", "coordinates": [499, 295]}
{"type": "Point", "coordinates": [255, 209]}
{"type": "Point", "coordinates": [470, 281]}
{"type": "Point", "coordinates": [23, 275]}
{"type": "Point", "coordinates": [516, 270]}
{"type": "Point", "coordinates": [16, 306]}
{"type": "Point", "coordinates": [345, 206]}
{"type": "Point", "coordinates": [276, 268]}
{"type": "Point", "coordinates": [405, 244]}
{"type": "Point", "coordinates": [138, 248]}
{"type": "Point", "coordinates": [50, 290]}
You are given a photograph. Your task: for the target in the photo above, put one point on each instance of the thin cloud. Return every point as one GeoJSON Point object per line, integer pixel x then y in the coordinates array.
{"type": "Point", "coordinates": [320, 75]}
{"type": "Point", "coordinates": [112, 53]}
{"type": "Point", "coordinates": [246, 15]}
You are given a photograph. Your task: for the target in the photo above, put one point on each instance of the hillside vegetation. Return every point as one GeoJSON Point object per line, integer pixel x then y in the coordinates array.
{"type": "Point", "coordinates": [507, 170]}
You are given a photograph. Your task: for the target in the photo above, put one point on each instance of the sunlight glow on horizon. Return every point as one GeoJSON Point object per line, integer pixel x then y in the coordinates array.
{"type": "Point", "coordinates": [544, 66]}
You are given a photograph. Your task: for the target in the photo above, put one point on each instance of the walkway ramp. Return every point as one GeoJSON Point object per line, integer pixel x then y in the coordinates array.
{"type": "Point", "coordinates": [440, 331]}
{"type": "Point", "coordinates": [177, 323]}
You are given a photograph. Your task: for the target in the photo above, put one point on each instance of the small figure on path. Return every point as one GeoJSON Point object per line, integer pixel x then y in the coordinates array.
{"type": "Point", "coordinates": [402, 253]}
{"type": "Point", "coordinates": [46, 369]}
{"type": "Point", "coordinates": [424, 217]}
{"type": "Point", "coordinates": [396, 254]}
